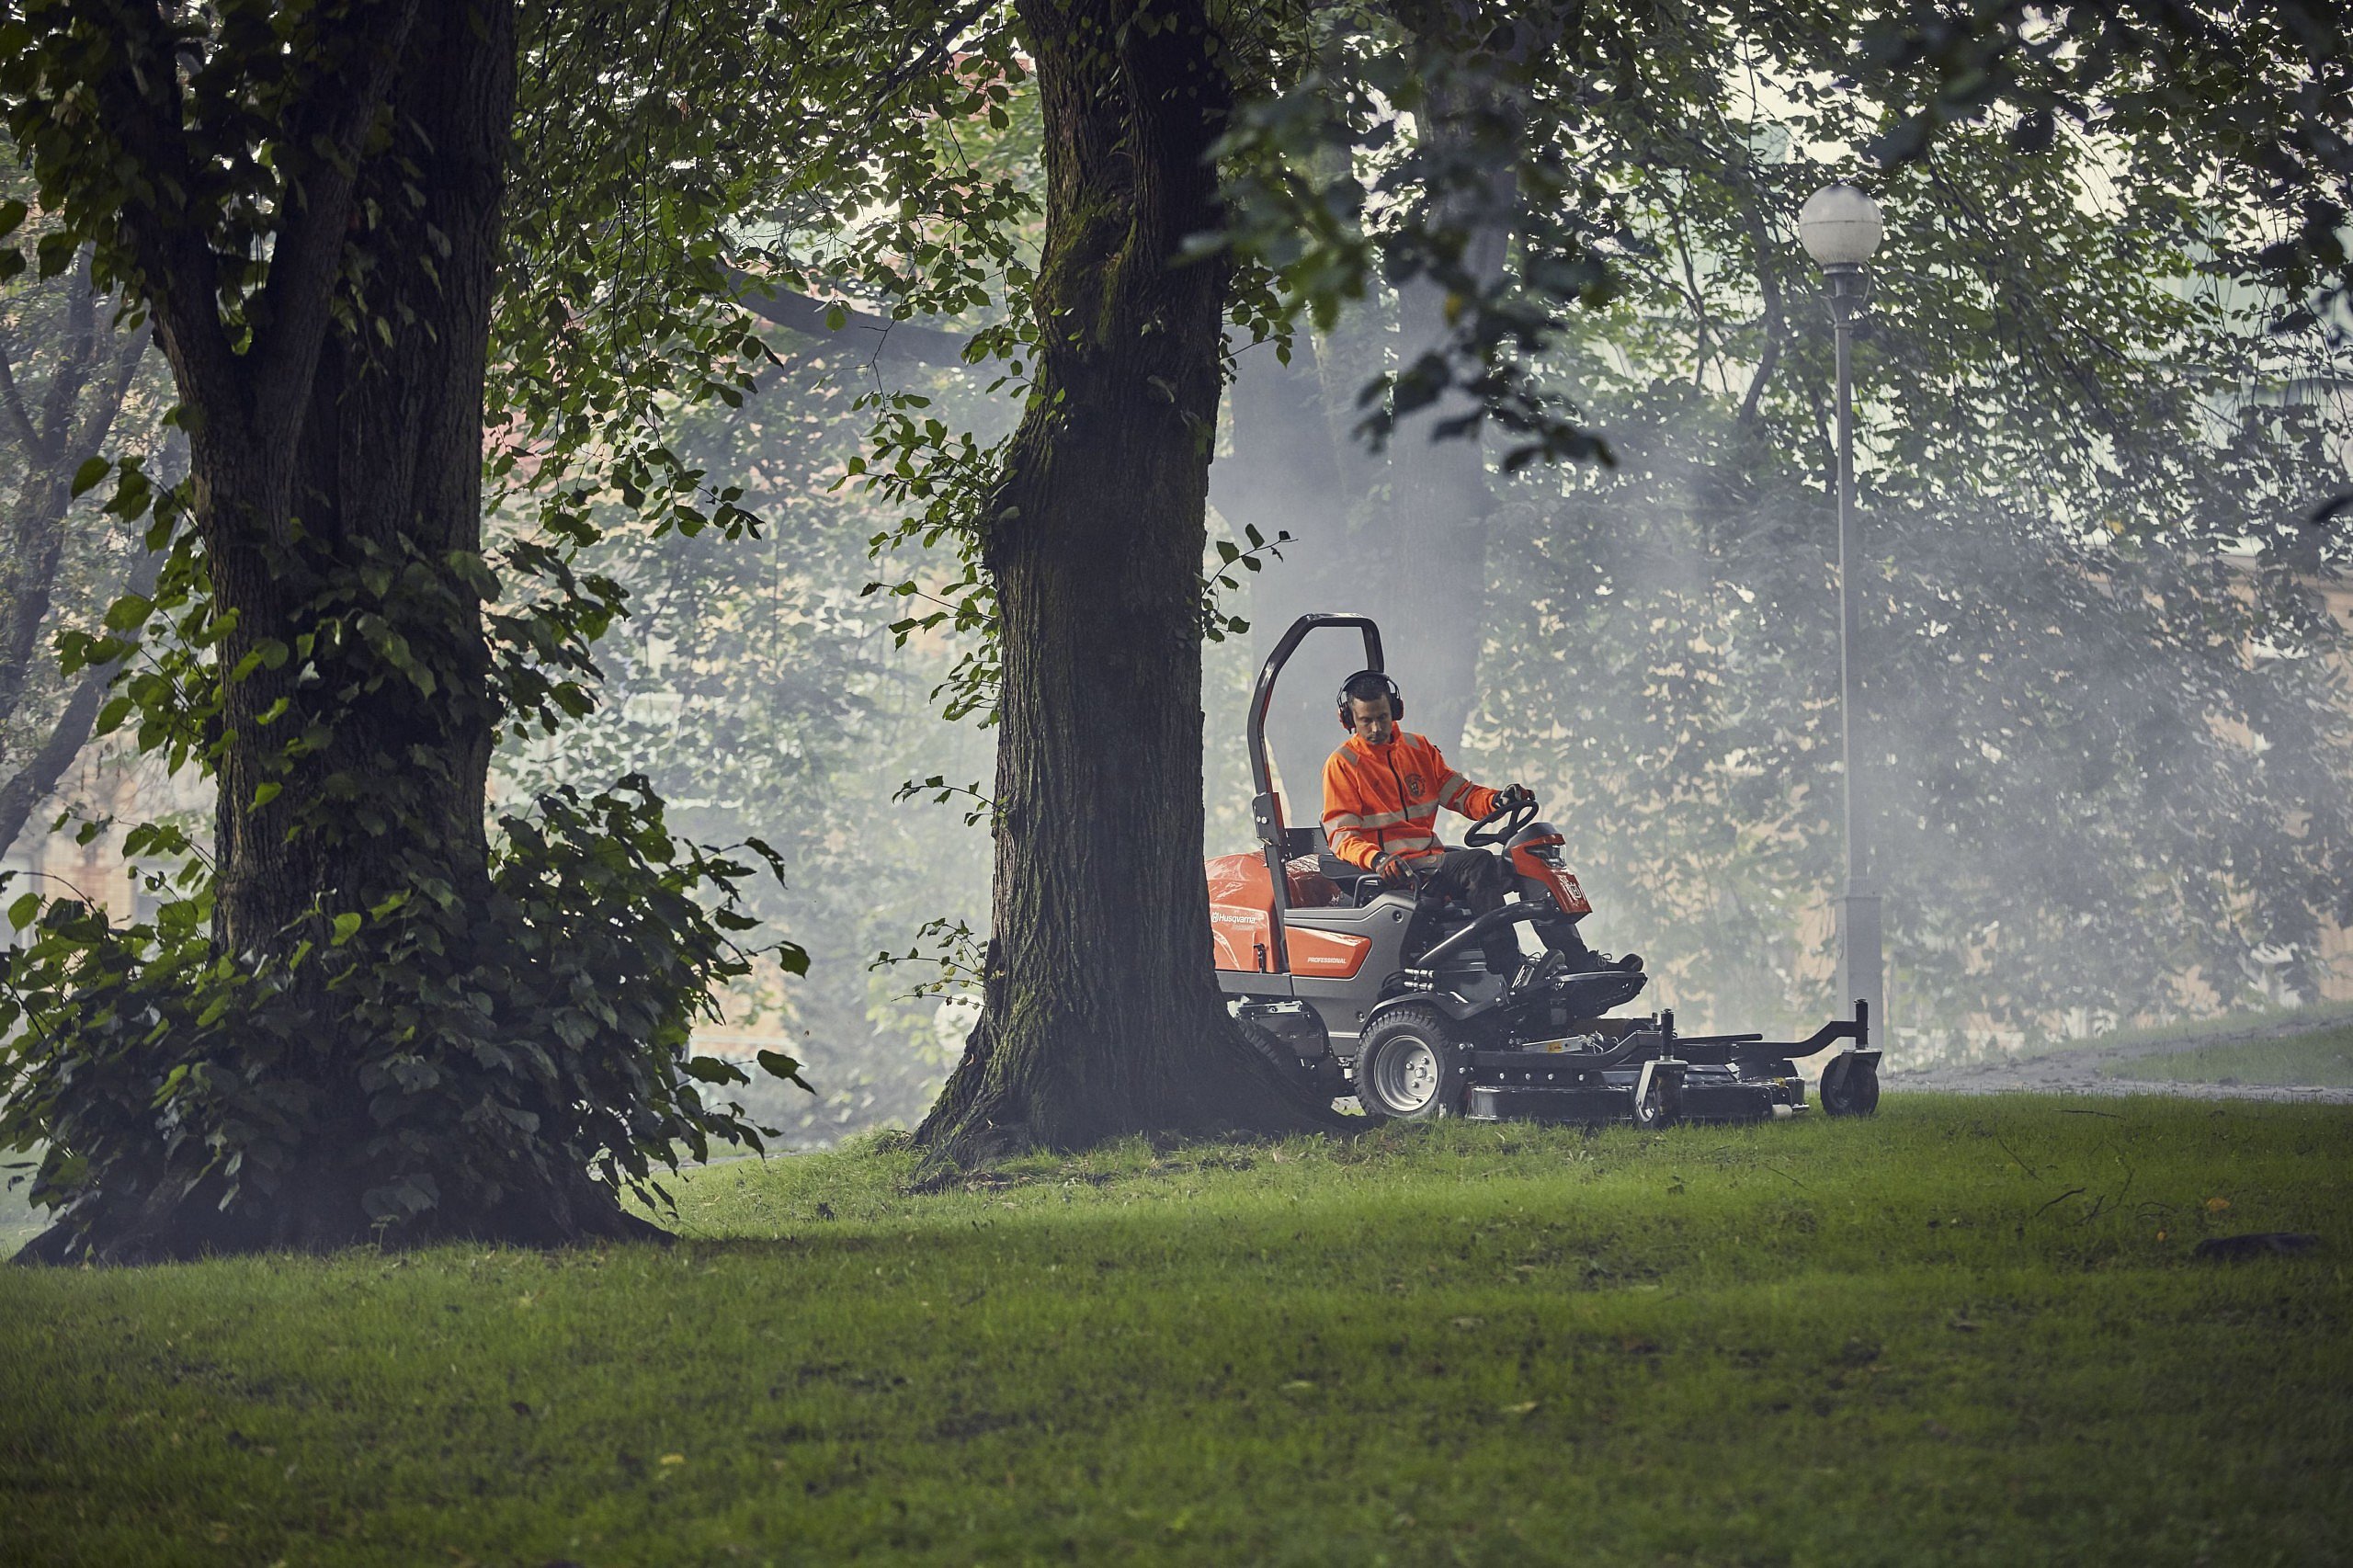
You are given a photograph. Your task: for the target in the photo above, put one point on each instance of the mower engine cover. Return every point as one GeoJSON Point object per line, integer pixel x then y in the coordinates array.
{"type": "Point", "coordinates": [1242, 917]}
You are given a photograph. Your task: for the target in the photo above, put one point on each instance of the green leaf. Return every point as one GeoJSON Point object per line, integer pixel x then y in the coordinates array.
{"type": "Point", "coordinates": [12, 214]}
{"type": "Point", "coordinates": [345, 927]}
{"type": "Point", "coordinates": [55, 252]}
{"type": "Point", "coordinates": [711, 1069]}
{"type": "Point", "coordinates": [171, 1082]}
{"type": "Point", "coordinates": [264, 794]}
{"type": "Point", "coordinates": [778, 1064]}
{"type": "Point", "coordinates": [89, 473]}
{"type": "Point", "coordinates": [22, 913]}
{"type": "Point", "coordinates": [111, 716]}
{"type": "Point", "coordinates": [128, 613]}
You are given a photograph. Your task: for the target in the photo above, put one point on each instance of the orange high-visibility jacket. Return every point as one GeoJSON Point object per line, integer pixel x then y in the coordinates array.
{"type": "Point", "coordinates": [1377, 798]}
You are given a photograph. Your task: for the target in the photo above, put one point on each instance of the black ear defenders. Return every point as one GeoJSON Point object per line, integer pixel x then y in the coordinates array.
{"type": "Point", "coordinates": [1396, 698]}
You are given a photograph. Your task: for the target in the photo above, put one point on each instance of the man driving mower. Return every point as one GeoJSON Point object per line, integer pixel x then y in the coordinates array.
{"type": "Point", "coordinates": [1382, 790]}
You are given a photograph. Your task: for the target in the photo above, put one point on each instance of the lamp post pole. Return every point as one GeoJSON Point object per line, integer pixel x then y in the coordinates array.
{"type": "Point", "coordinates": [1840, 226]}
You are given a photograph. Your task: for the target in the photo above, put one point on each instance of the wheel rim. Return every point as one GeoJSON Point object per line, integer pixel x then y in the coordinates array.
{"type": "Point", "coordinates": [1405, 1075]}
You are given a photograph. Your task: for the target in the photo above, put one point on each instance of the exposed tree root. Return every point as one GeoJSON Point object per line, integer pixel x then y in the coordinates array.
{"type": "Point", "coordinates": [980, 1118]}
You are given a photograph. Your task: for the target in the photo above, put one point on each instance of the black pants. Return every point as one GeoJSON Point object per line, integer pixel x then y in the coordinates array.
{"type": "Point", "coordinates": [1477, 881]}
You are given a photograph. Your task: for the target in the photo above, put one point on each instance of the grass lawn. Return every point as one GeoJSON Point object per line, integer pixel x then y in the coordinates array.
{"type": "Point", "coordinates": [1968, 1330]}
{"type": "Point", "coordinates": [2270, 1020]}
{"type": "Point", "coordinates": [2325, 1058]}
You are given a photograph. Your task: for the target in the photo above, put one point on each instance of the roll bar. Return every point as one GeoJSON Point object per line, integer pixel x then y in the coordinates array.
{"type": "Point", "coordinates": [1266, 813]}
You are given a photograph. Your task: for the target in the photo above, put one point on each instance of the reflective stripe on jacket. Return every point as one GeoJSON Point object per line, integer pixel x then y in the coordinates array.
{"type": "Point", "coordinates": [1377, 798]}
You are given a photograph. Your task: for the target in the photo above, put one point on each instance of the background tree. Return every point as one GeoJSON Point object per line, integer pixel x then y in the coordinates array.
{"type": "Point", "coordinates": [360, 1020]}
{"type": "Point", "coordinates": [71, 390]}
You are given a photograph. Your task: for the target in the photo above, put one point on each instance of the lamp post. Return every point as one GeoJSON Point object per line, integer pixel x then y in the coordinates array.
{"type": "Point", "coordinates": [1840, 228]}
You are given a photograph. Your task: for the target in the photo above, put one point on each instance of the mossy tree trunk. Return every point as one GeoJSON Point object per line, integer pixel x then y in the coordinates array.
{"type": "Point", "coordinates": [1101, 1016]}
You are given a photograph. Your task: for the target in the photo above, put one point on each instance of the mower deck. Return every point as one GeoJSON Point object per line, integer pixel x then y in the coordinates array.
{"type": "Point", "coordinates": [1652, 1077]}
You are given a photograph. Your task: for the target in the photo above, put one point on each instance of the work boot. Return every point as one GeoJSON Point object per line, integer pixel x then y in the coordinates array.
{"type": "Point", "coordinates": [1534, 972]}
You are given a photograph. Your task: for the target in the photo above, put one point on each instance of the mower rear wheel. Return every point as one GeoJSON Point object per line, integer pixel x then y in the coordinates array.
{"type": "Point", "coordinates": [1410, 1067]}
{"type": "Point", "coordinates": [1314, 1080]}
{"type": "Point", "coordinates": [1851, 1085]}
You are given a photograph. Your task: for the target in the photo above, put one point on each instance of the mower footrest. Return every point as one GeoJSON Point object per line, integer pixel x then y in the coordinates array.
{"type": "Point", "coordinates": [1582, 1103]}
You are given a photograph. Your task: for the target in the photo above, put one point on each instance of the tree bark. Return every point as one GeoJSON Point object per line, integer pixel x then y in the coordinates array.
{"type": "Point", "coordinates": [1100, 1016]}
{"type": "Point", "coordinates": [1283, 475]}
{"type": "Point", "coordinates": [386, 488]}
{"type": "Point", "coordinates": [341, 526]}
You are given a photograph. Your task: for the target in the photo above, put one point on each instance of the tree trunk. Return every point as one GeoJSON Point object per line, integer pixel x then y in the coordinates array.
{"type": "Point", "coordinates": [1100, 1014]}
{"type": "Point", "coordinates": [1440, 499]}
{"type": "Point", "coordinates": [1435, 559]}
{"type": "Point", "coordinates": [385, 487]}
{"type": "Point", "coordinates": [344, 533]}
{"type": "Point", "coordinates": [1284, 476]}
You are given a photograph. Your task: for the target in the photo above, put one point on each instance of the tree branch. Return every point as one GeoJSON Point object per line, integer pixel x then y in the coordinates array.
{"type": "Point", "coordinates": [91, 434]}
{"type": "Point", "coordinates": [1776, 325]}
{"type": "Point", "coordinates": [950, 31]}
{"type": "Point", "coordinates": [80, 350]}
{"type": "Point", "coordinates": [32, 784]}
{"type": "Point", "coordinates": [36, 532]}
{"type": "Point", "coordinates": [882, 337]}
{"type": "Point", "coordinates": [15, 399]}
{"type": "Point", "coordinates": [315, 212]}
{"type": "Point", "coordinates": [178, 273]}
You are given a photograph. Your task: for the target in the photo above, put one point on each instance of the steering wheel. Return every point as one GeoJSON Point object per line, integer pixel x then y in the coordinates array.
{"type": "Point", "coordinates": [1501, 824]}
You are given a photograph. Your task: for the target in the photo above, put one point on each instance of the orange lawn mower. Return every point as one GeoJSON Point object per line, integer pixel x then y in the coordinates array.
{"type": "Point", "coordinates": [1360, 988]}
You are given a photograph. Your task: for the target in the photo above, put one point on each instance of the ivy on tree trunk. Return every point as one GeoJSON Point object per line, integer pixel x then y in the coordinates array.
{"type": "Point", "coordinates": [369, 1020]}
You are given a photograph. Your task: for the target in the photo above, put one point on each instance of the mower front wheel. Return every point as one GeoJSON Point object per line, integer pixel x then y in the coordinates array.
{"type": "Point", "coordinates": [1851, 1085]}
{"type": "Point", "coordinates": [1410, 1067]}
{"type": "Point", "coordinates": [1658, 1098]}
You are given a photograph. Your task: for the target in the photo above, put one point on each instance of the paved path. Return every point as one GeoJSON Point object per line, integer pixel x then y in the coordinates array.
{"type": "Point", "coordinates": [2078, 1072]}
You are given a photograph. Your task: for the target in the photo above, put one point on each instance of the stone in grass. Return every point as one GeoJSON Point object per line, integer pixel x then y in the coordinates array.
{"type": "Point", "coordinates": [2255, 1244]}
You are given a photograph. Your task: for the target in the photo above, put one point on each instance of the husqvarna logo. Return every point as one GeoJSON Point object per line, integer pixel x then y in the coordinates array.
{"type": "Point", "coordinates": [1414, 785]}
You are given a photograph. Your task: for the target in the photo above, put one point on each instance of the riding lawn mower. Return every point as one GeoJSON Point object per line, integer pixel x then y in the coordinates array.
{"type": "Point", "coordinates": [1357, 987]}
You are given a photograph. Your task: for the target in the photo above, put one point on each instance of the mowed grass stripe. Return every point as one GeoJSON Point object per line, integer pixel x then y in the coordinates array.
{"type": "Point", "coordinates": [1949, 1335]}
{"type": "Point", "coordinates": [2324, 1059]}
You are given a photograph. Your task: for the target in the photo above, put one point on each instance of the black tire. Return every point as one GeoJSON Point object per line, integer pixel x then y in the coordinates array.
{"type": "Point", "coordinates": [1662, 1106]}
{"type": "Point", "coordinates": [1308, 1079]}
{"type": "Point", "coordinates": [1410, 1067]}
{"type": "Point", "coordinates": [1850, 1086]}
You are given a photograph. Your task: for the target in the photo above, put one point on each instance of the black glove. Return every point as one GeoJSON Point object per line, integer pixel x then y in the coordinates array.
{"type": "Point", "coordinates": [1516, 794]}
{"type": "Point", "coordinates": [1390, 869]}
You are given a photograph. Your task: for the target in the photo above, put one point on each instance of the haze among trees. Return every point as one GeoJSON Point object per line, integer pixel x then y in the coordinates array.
{"type": "Point", "coordinates": [545, 376]}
